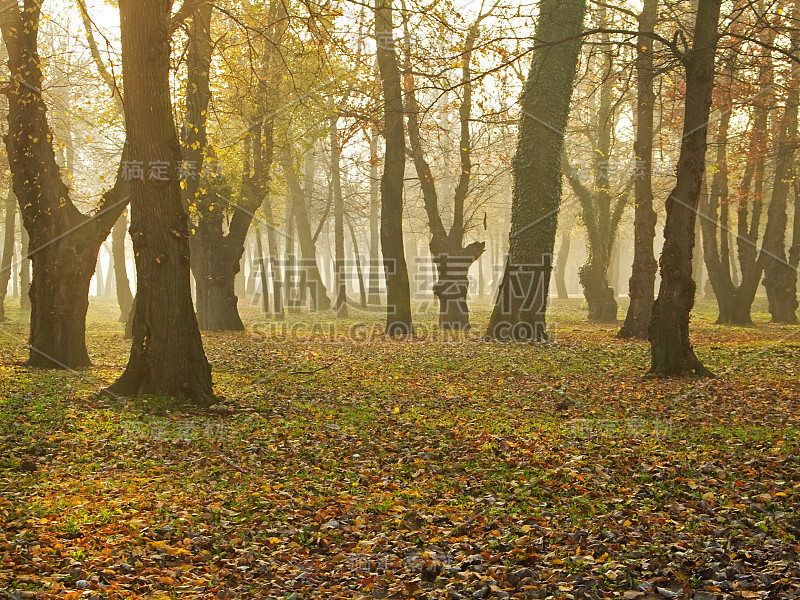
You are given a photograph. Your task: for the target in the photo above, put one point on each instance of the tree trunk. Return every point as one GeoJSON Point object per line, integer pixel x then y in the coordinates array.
{"type": "Point", "coordinates": [274, 259]}
{"type": "Point", "coordinates": [452, 259]}
{"type": "Point", "coordinates": [780, 277]}
{"type": "Point", "coordinates": [362, 288]}
{"type": "Point", "coordinates": [64, 243]}
{"type": "Point", "coordinates": [733, 301]}
{"type": "Point", "coordinates": [519, 312]}
{"type": "Point", "coordinates": [600, 219]}
{"type": "Point", "coordinates": [308, 273]}
{"type": "Point", "coordinates": [7, 258]}
{"type": "Point", "coordinates": [272, 74]}
{"type": "Point", "coordinates": [216, 255]}
{"type": "Point", "coordinates": [373, 297]}
{"type": "Point", "coordinates": [452, 284]}
{"type": "Point", "coordinates": [216, 265]}
{"type": "Point", "coordinates": [167, 356]}
{"type": "Point", "coordinates": [110, 287]}
{"type": "Point", "coordinates": [614, 267]}
{"type": "Point", "coordinates": [562, 256]}
{"type": "Point", "coordinates": [340, 279]}
{"type": "Point", "coordinates": [124, 296]}
{"type": "Point", "coordinates": [262, 268]}
{"type": "Point", "coordinates": [641, 286]}
{"type": "Point", "coordinates": [671, 351]}
{"type": "Point", "coordinates": [398, 290]}
{"type": "Point", "coordinates": [100, 279]}
{"type": "Point", "coordinates": [25, 271]}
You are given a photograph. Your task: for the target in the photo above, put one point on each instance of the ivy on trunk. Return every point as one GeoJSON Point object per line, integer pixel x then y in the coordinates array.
{"type": "Point", "coordinates": [519, 312]}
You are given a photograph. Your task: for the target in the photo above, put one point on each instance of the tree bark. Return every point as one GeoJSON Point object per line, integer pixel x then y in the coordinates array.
{"type": "Point", "coordinates": [670, 348]}
{"type": "Point", "coordinates": [398, 290]}
{"type": "Point", "coordinates": [373, 295]}
{"type": "Point", "coordinates": [167, 356]}
{"type": "Point", "coordinates": [124, 296]}
{"type": "Point", "coordinates": [216, 255]}
{"type": "Point", "coordinates": [308, 273]}
{"type": "Point", "coordinates": [641, 286]}
{"type": "Point", "coordinates": [25, 270]}
{"type": "Point", "coordinates": [7, 259]}
{"type": "Point", "coordinates": [733, 301]}
{"type": "Point", "coordinates": [340, 278]}
{"type": "Point", "coordinates": [600, 214]}
{"type": "Point", "coordinates": [780, 277]}
{"type": "Point", "coordinates": [452, 259]}
{"type": "Point", "coordinates": [562, 256]}
{"type": "Point", "coordinates": [520, 308]}
{"type": "Point", "coordinates": [100, 279]}
{"type": "Point", "coordinates": [64, 243]}
{"type": "Point", "coordinates": [362, 289]}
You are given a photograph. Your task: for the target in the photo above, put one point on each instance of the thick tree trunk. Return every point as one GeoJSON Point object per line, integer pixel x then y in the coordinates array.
{"type": "Point", "coordinates": [562, 256]}
{"type": "Point", "coordinates": [519, 312]}
{"type": "Point", "coordinates": [600, 296]}
{"type": "Point", "coordinates": [124, 296]}
{"type": "Point", "coordinates": [59, 296]}
{"type": "Point", "coordinates": [167, 356]}
{"type": "Point", "coordinates": [398, 290]}
{"type": "Point", "coordinates": [215, 266]}
{"type": "Point", "coordinates": [641, 286]}
{"type": "Point", "coordinates": [216, 255]}
{"type": "Point", "coordinates": [63, 242]}
{"type": "Point", "coordinates": [452, 284]}
{"type": "Point", "coordinates": [671, 351]}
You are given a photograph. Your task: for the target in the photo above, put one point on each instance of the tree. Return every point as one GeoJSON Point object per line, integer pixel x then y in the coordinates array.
{"type": "Point", "coordinates": [735, 298]}
{"type": "Point", "coordinates": [167, 356]}
{"type": "Point", "coordinates": [122, 284]}
{"type": "Point", "coordinates": [373, 295]}
{"type": "Point", "coordinates": [64, 242]}
{"type": "Point", "coordinates": [600, 212]}
{"type": "Point", "coordinates": [452, 259]}
{"type": "Point", "coordinates": [519, 311]}
{"type": "Point", "coordinates": [216, 253]}
{"type": "Point", "coordinates": [262, 128]}
{"type": "Point", "coordinates": [780, 276]}
{"type": "Point", "coordinates": [320, 300]}
{"type": "Point", "coordinates": [641, 286]}
{"type": "Point", "coordinates": [7, 258]}
{"type": "Point", "coordinates": [670, 348]}
{"type": "Point", "coordinates": [340, 281]}
{"type": "Point", "coordinates": [398, 290]}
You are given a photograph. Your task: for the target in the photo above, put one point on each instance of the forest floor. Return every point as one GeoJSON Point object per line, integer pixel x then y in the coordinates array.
{"type": "Point", "coordinates": [346, 465]}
